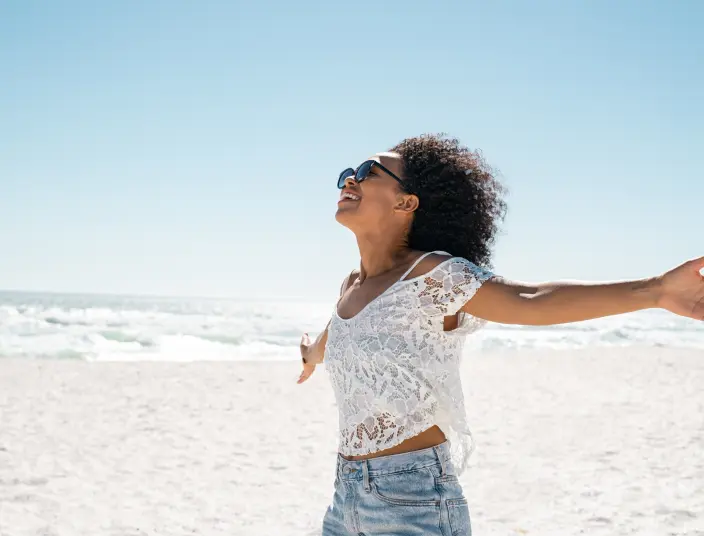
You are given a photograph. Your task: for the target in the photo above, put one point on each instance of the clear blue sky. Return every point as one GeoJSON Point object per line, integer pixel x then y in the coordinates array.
{"type": "Point", "coordinates": [191, 148]}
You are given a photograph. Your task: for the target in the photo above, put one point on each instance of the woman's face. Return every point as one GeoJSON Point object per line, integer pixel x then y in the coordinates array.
{"type": "Point", "coordinates": [378, 200]}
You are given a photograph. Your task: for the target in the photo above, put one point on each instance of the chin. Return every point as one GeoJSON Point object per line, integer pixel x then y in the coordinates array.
{"type": "Point", "coordinates": [346, 217]}
{"type": "Point", "coordinates": [341, 217]}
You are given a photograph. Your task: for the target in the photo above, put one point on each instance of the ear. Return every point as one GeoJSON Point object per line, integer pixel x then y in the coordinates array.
{"type": "Point", "coordinates": [407, 203]}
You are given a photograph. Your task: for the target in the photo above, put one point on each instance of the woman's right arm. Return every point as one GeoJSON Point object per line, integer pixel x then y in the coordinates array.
{"type": "Point", "coordinates": [313, 352]}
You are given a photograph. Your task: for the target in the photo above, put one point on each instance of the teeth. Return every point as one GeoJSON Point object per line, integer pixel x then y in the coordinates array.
{"type": "Point", "coordinates": [350, 196]}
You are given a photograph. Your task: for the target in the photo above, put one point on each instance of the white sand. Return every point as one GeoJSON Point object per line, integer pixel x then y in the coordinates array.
{"type": "Point", "coordinates": [591, 442]}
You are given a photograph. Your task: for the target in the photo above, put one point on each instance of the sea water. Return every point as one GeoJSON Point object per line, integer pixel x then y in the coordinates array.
{"type": "Point", "coordinates": [108, 328]}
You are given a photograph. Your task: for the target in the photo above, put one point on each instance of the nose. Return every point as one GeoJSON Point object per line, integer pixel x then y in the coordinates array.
{"type": "Point", "coordinates": [350, 181]}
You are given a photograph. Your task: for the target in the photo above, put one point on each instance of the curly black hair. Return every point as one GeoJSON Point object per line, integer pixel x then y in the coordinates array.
{"type": "Point", "coordinates": [460, 199]}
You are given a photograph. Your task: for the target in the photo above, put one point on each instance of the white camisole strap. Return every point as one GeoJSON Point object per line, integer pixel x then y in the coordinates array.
{"type": "Point", "coordinates": [423, 256]}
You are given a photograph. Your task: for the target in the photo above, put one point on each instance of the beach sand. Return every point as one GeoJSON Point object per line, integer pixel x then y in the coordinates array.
{"type": "Point", "coordinates": [599, 442]}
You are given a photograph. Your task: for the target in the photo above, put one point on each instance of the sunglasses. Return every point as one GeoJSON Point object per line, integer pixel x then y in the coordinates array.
{"type": "Point", "coordinates": [362, 172]}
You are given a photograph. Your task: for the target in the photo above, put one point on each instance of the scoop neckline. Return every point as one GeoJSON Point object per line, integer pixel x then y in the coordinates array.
{"type": "Point", "coordinates": [387, 290]}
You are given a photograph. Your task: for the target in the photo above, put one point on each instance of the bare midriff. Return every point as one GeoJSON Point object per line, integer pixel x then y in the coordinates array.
{"type": "Point", "coordinates": [426, 439]}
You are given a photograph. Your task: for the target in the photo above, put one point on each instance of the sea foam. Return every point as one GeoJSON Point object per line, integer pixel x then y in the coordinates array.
{"type": "Point", "coordinates": [110, 328]}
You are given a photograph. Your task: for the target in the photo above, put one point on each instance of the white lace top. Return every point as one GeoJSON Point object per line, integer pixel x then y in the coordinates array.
{"type": "Point", "coordinates": [394, 369]}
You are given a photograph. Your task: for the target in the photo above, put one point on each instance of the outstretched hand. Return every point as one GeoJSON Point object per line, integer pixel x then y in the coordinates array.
{"type": "Point", "coordinates": [682, 290]}
{"type": "Point", "coordinates": [306, 351]}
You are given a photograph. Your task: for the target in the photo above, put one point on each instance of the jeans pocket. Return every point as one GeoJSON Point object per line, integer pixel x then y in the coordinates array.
{"type": "Point", "coordinates": [458, 511]}
{"type": "Point", "coordinates": [413, 488]}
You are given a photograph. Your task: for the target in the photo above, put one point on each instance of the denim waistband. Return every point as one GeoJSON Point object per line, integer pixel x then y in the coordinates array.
{"type": "Point", "coordinates": [396, 463]}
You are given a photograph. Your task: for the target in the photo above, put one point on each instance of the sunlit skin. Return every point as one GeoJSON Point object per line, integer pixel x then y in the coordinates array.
{"type": "Point", "coordinates": [380, 221]}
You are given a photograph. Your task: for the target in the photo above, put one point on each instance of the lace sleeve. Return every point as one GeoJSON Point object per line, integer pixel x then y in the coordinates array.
{"type": "Point", "coordinates": [451, 284]}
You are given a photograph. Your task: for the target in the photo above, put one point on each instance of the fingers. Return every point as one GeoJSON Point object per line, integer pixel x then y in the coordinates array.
{"type": "Point", "coordinates": [304, 376]}
{"type": "Point", "coordinates": [307, 368]}
{"type": "Point", "coordinates": [307, 372]}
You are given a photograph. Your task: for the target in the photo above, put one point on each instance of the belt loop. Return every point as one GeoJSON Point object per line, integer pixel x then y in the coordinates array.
{"type": "Point", "coordinates": [443, 470]}
{"type": "Point", "coordinates": [365, 473]}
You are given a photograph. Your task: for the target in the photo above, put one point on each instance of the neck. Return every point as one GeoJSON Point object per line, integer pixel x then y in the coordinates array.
{"type": "Point", "coordinates": [380, 254]}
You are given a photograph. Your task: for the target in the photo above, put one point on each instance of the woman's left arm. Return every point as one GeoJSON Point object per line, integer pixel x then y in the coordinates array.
{"type": "Point", "coordinates": [680, 291]}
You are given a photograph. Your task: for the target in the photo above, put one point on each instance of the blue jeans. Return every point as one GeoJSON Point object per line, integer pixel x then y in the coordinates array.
{"type": "Point", "coordinates": [411, 494]}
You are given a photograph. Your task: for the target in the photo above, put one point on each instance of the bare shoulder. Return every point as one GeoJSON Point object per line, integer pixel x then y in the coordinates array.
{"type": "Point", "coordinates": [349, 281]}
{"type": "Point", "coordinates": [428, 264]}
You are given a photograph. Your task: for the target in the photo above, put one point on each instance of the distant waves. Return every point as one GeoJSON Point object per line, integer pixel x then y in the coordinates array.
{"type": "Point", "coordinates": [107, 328]}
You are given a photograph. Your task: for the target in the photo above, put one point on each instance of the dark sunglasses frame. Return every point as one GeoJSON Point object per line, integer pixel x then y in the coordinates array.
{"type": "Point", "coordinates": [365, 167]}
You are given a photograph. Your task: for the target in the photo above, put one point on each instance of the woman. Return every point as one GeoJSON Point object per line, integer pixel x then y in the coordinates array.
{"type": "Point", "coordinates": [425, 215]}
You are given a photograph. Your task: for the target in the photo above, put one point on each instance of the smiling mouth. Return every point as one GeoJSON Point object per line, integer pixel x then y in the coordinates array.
{"type": "Point", "coordinates": [347, 196]}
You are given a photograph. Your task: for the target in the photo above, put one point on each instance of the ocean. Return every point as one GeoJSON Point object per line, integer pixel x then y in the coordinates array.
{"type": "Point", "coordinates": [128, 328]}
